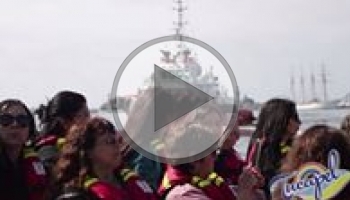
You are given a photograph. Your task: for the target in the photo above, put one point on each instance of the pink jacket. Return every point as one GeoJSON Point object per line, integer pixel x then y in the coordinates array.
{"type": "Point", "coordinates": [186, 192]}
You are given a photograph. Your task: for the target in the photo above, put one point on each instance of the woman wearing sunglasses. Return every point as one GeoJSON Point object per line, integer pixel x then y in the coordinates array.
{"type": "Point", "coordinates": [91, 160]}
{"type": "Point", "coordinates": [22, 174]}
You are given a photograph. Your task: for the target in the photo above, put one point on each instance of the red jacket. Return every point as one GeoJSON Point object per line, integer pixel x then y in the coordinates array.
{"type": "Point", "coordinates": [132, 188]}
{"type": "Point", "coordinates": [136, 187]}
{"type": "Point", "coordinates": [27, 181]}
{"type": "Point", "coordinates": [104, 190]}
{"type": "Point", "coordinates": [229, 165]}
{"type": "Point", "coordinates": [214, 186]}
{"type": "Point", "coordinates": [35, 175]}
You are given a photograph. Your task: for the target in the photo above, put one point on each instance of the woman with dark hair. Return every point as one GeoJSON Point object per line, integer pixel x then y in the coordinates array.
{"type": "Point", "coordinates": [91, 160]}
{"type": "Point", "coordinates": [314, 145]}
{"type": "Point", "coordinates": [277, 125]}
{"type": "Point", "coordinates": [65, 109]}
{"type": "Point", "coordinates": [22, 174]}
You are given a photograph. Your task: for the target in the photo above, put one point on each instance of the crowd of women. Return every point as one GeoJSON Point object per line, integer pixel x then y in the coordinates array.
{"type": "Point", "coordinates": [62, 152]}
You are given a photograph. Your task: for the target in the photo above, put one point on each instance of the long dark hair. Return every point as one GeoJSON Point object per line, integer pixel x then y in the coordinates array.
{"type": "Point", "coordinates": [272, 128]}
{"type": "Point", "coordinates": [345, 125]}
{"type": "Point", "coordinates": [74, 163]}
{"type": "Point", "coordinates": [15, 102]}
{"type": "Point", "coordinates": [315, 144]}
{"type": "Point", "coordinates": [61, 108]}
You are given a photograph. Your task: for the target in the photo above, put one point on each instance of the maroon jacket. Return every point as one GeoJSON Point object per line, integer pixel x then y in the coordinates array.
{"type": "Point", "coordinates": [229, 165]}
{"type": "Point", "coordinates": [131, 188]}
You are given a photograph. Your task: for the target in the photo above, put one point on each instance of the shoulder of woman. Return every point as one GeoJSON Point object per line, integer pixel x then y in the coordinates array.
{"type": "Point", "coordinates": [106, 191]}
{"type": "Point", "coordinates": [186, 192]}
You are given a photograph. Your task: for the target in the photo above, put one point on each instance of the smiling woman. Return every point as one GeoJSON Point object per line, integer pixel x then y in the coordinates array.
{"type": "Point", "coordinates": [22, 174]}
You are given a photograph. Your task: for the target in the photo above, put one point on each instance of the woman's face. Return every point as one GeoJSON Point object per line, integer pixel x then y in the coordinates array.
{"type": "Point", "coordinates": [293, 126]}
{"type": "Point", "coordinates": [82, 115]}
{"type": "Point", "coordinates": [106, 151]}
{"type": "Point", "coordinates": [14, 125]}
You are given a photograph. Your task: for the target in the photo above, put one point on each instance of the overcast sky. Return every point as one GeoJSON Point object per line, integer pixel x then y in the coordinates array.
{"type": "Point", "coordinates": [47, 46]}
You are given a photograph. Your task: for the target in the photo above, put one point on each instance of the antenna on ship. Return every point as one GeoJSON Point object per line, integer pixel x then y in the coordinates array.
{"type": "Point", "coordinates": [180, 23]}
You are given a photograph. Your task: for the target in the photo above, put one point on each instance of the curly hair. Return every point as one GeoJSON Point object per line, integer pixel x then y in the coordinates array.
{"type": "Point", "coordinates": [314, 145]}
{"type": "Point", "coordinates": [74, 163]}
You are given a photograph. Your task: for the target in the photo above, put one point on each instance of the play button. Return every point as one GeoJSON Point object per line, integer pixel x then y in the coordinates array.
{"type": "Point", "coordinates": [180, 97]}
{"type": "Point", "coordinates": [163, 105]}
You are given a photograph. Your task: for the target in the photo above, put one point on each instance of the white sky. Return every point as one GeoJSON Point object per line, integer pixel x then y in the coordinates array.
{"type": "Point", "coordinates": [47, 46]}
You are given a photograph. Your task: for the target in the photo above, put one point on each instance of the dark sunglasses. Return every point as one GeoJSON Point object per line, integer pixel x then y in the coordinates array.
{"type": "Point", "coordinates": [21, 120]}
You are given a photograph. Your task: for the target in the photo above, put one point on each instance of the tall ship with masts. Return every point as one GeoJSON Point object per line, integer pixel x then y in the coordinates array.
{"type": "Point", "coordinates": [313, 102]}
{"type": "Point", "coordinates": [183, 63]}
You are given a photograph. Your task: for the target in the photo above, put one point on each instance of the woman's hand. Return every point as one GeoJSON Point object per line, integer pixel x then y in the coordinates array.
{"type": "Point", "coordinates": [248, 183]}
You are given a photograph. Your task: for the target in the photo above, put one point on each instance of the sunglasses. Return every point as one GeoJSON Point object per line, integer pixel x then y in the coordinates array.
{"type": "Point", "coordinates": [21, 120]}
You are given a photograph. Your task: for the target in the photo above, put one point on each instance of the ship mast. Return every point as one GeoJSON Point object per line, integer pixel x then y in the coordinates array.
{"type": "Point", "coordinates": [292, 87]}
{"type": "Point", "coordinates": [313, 87]}
{"type": "Point", "coordinates": [324, 83]}
{"type": "Point", "coordinates": [180, 23]}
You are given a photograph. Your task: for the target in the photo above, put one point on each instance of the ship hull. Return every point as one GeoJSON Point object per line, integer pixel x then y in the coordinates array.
{"type": "Point", "coordinates": [314, 106]}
